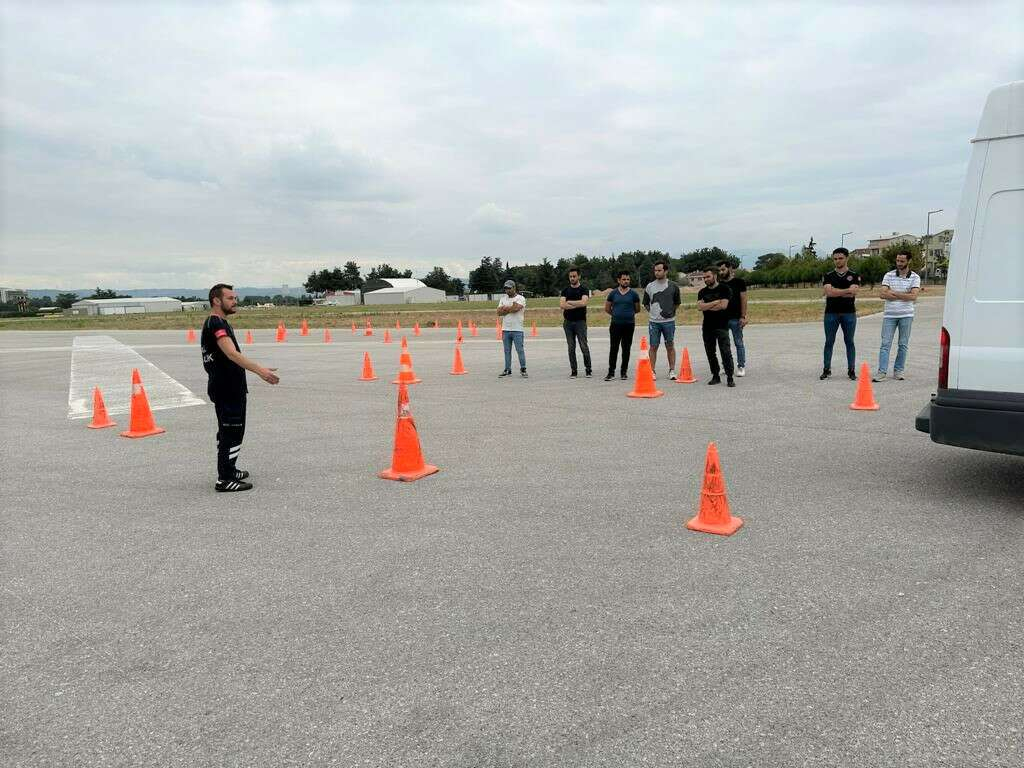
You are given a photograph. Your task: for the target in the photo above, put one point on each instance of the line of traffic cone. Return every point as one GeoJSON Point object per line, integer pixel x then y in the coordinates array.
{"type": "Point", "coordinates": [864, 399]}
{"type": "Point", "coordinates": [685, 369]}
{"type": "Point", "coordinates": [140, 423]}
{"type": "Point", "coordinates": [100, 418]}
{"type": "Point", "coordinates": [644, 381]}
{"type": "Point", "coordinates": [458, 369]}
{"type": "Point", "coordinates": [714, 515]}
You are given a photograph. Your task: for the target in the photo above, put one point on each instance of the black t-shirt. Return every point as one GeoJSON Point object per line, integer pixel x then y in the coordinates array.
{"type": "Point", "coordinates": [737, 285]}
{"type": "Point", "coordinates": [840, 304]}
{"type": "Point", "coordinates": [716, 318]}
{"type": "Point", "coordinates": [575, 294]}
{"type": "Point", "coordinates": [227, 380]}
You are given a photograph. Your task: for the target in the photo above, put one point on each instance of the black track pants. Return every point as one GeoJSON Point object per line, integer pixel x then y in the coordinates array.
{"type": "Point", "coordinates": [230, 431]}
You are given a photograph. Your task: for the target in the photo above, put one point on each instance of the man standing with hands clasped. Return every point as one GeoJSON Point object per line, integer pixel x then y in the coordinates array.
{"type": "Point", "coordinates": [226, 366]}
{"type": "Point", "coordinates": [574, 321]}
{"type": "Point", "coordinates": [839, 287]}
{"type": "Point", "coordinates": [737, 311]}
{"type": "Point", "coordinates": [511, 307]}
{"type": "Point", "coordinates": [713, 300]}
{"type": "Point", "coordinates": [900, 287]}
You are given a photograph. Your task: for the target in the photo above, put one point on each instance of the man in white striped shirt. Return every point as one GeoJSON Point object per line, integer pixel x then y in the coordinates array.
{"type": "Point", "coordinates": [900, 287]}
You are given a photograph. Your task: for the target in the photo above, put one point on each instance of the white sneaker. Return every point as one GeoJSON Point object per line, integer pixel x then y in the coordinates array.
{"type": "Point", "coordinates": [672, 375]}
{"type": "Point", "coordinates": [741, 371]}
{"type": "Point", "coordinates": [878, 377]}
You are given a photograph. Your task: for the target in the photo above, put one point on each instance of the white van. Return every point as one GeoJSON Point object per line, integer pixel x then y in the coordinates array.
{"type": "Point", "coordinates": [980, 398]}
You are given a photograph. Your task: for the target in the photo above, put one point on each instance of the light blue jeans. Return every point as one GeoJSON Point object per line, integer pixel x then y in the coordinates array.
{"type": "Point", "coordinates": [508, 338]}
{"type": "Point", "coordinates": [737, 338]}
{"type": "Point", "coordinates": [889, 326]}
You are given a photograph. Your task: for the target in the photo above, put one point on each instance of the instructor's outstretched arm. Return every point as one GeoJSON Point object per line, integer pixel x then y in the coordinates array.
{"type": "Point", "coordinates": [236, 357]}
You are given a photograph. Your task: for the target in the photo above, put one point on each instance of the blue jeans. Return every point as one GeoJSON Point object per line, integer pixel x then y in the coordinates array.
{"type": "Point", "coordinates": [889, 326]}
{"type": "Point", "coordinates": [507, 339]}
{"type": "Point", "coordinates": [848, 322]}
{"type": "Point", "coordinates": [737, 337]}
{"type": "Point", "coordinates": [658, 331]}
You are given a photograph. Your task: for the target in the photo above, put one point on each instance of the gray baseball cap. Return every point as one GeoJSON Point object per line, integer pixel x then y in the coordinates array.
{"type": "Point", "coordinates": [509, 284]}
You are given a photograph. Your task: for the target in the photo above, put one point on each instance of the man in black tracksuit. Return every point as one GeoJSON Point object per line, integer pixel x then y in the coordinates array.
{"type": "Point", "coordinates": [226, 366]}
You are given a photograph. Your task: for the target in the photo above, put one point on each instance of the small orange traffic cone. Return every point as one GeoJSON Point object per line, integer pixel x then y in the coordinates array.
{"type": "Point", "coordinates": [472, 329]}
{"type": "Point", "coordinates": [416, 329]}
{"type": "Point", "coordinates": [533, 330]}
{"type": "Point", "coordinates": [141, 422]}
{"type": "Point", "coordinates": [714, 515]}
{"type": "Point", "coordinates": [368, 374]}
{"type": "Point", "coordinates": [387, 336]}
{"type": "Point", "coordinates": [459, 326]}
{"type": "Point", "coordinates": [685, 370]}
{"type": "Point", "coordinates": [406, 375]}
{"type": "Point", "coordinates": [644, 386]}
{"type": "Point", "coordinates": [458, 336]}
{"type": "Point", "coordinates": [327, 336]}
{"type": "Point", "coordinates": [248, 337]}
{"type": "Point", "coordinates": [100, 419]}
{"type": "Point", "coordinates": [864, 400]}
{"type": "Point", "coordinates": [281, 333]}
{"type": "Point", "coordinates": [458, 369]}
{"type": "Point", "coordinates": [407, 462]}
{"type": "Point", "coordinates": [405, 344]}
{"type": "Point", "coordinates": [643, 343]}
{"type": "Point", "coordinates": [398, 325]}
{"type": "Point", "coordinates": [369, 329]}
{"type": "Point", "coordinates": [190, 337]}
{"type": "Point", "coordinates": [497, 329]}
{"type": "Point", "coordinates": [353, 329]}
{"type": "Point", "coordinates": [304, 328]}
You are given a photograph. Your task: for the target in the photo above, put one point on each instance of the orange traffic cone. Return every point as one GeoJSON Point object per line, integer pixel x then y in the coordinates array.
{"type": "Point", "coordinates": [398, 325]}
{"type": "Point", "coordinates": [714, 515]}
{"type": "Point", "coordinates": [405, 344]}
{"type": "Point", "coordinates": [281, 333]}
{"type": "Point", "coordinates": [100, 419]}
{"type": "Point", "coordinates": [644, 386]}
{"type": "Point", "coordinates": [141, 422]}
{"type": "Point", "coordinates": [406, 375]}
{"type": "Point", "coordinates": [368, 374]}
{"type": "Point", "coordinates": [407, 458]}
{"type": "Point", "coordinates": [533, 330]}
{"type": "Point", "coordinates": [459, 326]}
{"type": "Point", "coordinates": [416, 329]}
{"type": "Point", "coordinates": [369, 329]}
{"type": "Point", "coordinates": [472, 329]}
{"type": "Point", "coordinates": [304, 328]}
{"type": "Point", "coordinates": [387, 336]}
{"type": "Point", "coordinates": [864, 400]}
{"type": "Point", "coordinates": [248, 337]}
{"type": "Point", "coordinates": [458, 335]}
{"type": "Point", "coordinates": [685, 370]}
{"type": "Point", "coordinates": [497, 329]}
{"type": "Point", "coordinates": [458, 369]}
{"type": "Point", "coordinates": [353, 329]}
{"type": "Point", "coordinates": [190, 337]}
{"type": "Point", "coordinates": [403, 398]}
{"type": "Point", "coordinates": [643, 343]}
{"type": "Point", "coordinates": [327, 336]}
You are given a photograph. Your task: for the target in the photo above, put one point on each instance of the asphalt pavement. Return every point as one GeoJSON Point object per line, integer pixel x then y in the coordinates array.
{"type": "Point", "coordinates": [538, 602]}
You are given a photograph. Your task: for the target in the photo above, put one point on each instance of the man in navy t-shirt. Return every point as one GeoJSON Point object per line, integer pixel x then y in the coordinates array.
{"type": "Point", "coordinates": [226, 366]}
{"type": "Point", "coordinates": [622, 303]}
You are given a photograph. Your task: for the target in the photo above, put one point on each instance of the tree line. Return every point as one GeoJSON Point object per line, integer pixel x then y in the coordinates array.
{"type": "Point", "coordinates": [777, 269]}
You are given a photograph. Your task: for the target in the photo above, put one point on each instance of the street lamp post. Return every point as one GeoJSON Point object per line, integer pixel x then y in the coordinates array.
{"type": "Point", "coordinates": [928, 234]}
{"type": "Point", "coordinates": [791, 250]}
{"type": "Point", "coordinates": [842, 238]}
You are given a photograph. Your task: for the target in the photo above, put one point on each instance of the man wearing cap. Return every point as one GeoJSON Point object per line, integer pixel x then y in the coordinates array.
{"type": "Point", "coordinates": [511, 308]}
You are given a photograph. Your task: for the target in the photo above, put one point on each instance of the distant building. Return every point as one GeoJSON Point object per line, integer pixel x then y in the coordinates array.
{"type": "Point", "coordinates": [133, 305]}
{"type": "Point", "coordinates": [860, 253]}
{"type": "Point", "coordinates": [696, 278]}
{"type": "Point", "coordinates": [404, 290]}
{"type": "Point", "coordinates": [195, 306]}
{"type": "Point", "coordinates": [339, 299]}
{"type": "Point", "coordinates": [12, 295]}
{"type": "Point", "coordinates": [935, 248]}
{"type": "Point", "coordinates": [879, 244]}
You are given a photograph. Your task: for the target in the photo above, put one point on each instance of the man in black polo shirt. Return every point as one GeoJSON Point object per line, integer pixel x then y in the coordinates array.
{"type": "Point", "coordinates": [839, 287]}
{"type": "Point", "coordinates": [713, 300]}
{"type": "Point", "coordinates": [574, 320]}
{"type": "Point", "coordinates": [737, 311]}
{"type": "Point", "coordinates": [226, 366]}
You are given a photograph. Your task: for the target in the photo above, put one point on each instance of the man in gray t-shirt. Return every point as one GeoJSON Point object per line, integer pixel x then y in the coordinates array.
{"type": "Point", "coordinates": [662, 299]}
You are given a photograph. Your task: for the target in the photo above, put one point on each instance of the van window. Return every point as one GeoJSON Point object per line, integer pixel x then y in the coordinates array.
{"type": "Point", "coordinates": [1001, 255]}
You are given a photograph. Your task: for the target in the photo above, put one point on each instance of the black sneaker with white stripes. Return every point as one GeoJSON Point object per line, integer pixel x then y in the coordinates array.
{"type": "Point", "coordinates": [231, 486]}
{"type": "Point", "coordinates": [241, 474]}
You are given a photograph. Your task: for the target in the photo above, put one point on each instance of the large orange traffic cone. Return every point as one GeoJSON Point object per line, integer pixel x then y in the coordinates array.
{"type": "Point", "coordinates": [458, 369]}
{"type": "Point", "coordinates": [416, 329]}
{"type": "Point", "coordinates": [714, 515]}
{"type": "Point", "coordinates": [685, 370]}
{"type": "Point", "coordinates": [304, 328]}
{"type": "Point", "coordinates": [248, 337]}
{"type": "Point", "coordinates": [190, 337]}
{"type": "Point", "coordinates": [387, 336]}
{"type": "Point", "coordinates": [368, 374]}
{"type": "Point", "coordinates": [407, 457]}
{"type": "Point", "coordinates": [533, 330]}
{"type": "Point", "coordinates": [100, 419]}
{"type": "Point", "coordinates": [864, 400]}
{"type": "Point", "coordinates": [644, 386]}
{"type": "Point", "coordinates": [643, 342]}
{"type": "Point", "coordinates": [327, 336]}
{"type": "Point", "coordinates": [141, 423]}
{"type": "Point", "coordinates": [281, 332]}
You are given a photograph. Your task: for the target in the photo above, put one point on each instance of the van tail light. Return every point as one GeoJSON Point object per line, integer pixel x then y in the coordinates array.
{"type": "Point", "coordinates": [944, 359]}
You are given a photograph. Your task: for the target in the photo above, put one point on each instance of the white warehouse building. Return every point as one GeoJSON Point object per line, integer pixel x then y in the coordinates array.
{"type": "Point", "coordinates": [404, 290]}
{"type": "Point", "coordinates": [133, 305]}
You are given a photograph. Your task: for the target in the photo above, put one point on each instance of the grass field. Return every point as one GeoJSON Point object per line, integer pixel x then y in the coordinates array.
{"type": "Point", "coordinates": [766, 305]}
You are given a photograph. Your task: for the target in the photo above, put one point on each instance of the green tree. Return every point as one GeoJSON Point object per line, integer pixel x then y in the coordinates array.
{"type": "Point", "coordinates": [352, 279]}
{"type": "Point", "coordinates": [702, 257]}
{"type": "Point", "coordinates": [769, 261]}
{"type": "Point", "coordinates": [547, 279]}
{"type": "Point", "coordinates": [809, 251]}
{"type": "Point", "coordinates": [872, 269]}
{"type": "Point", "coordinates": [106, 293]}
{"type": "Point", "coordinates": [65, 300]}
{"type": "Point", "coordinates": [438, 278]}
{"type": "Point", "coordinates": [916, 255]}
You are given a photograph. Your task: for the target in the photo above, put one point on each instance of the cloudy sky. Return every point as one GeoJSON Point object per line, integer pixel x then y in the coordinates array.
{"type": "Point", "coordinates": [149, 145]}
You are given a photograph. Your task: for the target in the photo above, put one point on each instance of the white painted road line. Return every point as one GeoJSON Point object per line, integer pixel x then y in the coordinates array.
{"type": "Point", "coordinates": [107, 363]}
